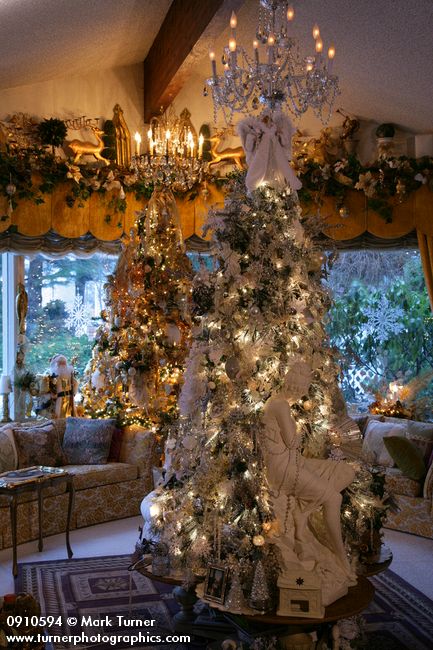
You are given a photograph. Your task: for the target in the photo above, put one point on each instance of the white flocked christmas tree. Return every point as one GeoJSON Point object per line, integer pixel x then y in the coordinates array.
{"type": "Point", "coordinates": [260, 312]}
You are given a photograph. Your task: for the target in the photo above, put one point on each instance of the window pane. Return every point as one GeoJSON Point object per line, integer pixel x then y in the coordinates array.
{"type": "Point", "coordinates": [65, 300]}
{"type": "Point", "coordinates": [381, 322]}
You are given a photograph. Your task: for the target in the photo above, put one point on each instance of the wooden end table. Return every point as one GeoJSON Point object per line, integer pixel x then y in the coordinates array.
{"type": "Point", "coordinates": [34, 479]}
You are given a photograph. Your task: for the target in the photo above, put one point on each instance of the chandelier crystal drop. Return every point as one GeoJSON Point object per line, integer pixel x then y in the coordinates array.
{"type": "Point", "coordinates": [175, 153]}
{"type": "Point", "coordinates": [276, 75]}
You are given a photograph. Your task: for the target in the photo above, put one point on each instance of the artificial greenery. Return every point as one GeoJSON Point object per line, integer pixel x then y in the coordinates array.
{"type": "Point", "coordinates": [52, 132]}
{"type": "Point", "coordinates": [34, 171]}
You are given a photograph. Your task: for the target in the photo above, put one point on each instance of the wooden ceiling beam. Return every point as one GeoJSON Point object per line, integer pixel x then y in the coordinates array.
{"type": "Point", "coordinates": [189, 29]}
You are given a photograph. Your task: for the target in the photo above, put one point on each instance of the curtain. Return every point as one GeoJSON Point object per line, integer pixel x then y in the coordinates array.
{"type": "Point", "coordinates": [53, 245]}
{"type": "Point", "coordinates": [425, 244]}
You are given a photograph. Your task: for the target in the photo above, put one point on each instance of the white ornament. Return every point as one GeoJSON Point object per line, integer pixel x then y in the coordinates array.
{"type": "Point", "coordinates": [383, 320]}
{"type": "Point", "coordinates": [98, 380]}
{"type": "Point", "coordinates": [79, 317]}
{"type": "Point", "coordinates": [173, 333]}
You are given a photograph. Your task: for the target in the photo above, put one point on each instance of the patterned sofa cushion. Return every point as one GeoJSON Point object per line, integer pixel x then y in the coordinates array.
{"type": "Point", "coordinates": [87, 442]}
{"type": "Point", "coordinates": [38, 445]}
{"type": "Point", "coordinates": [89, 476]}
{"type": "Point", "coordinates": [397, 483]}
{"type": "Point", "coordinates": [139, 448]}
{"type": "Point", "coordinates": [8, 450]}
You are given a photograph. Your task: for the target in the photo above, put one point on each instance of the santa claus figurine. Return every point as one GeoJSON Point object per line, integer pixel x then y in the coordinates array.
{"type": "Point", "coordinates": [60, 391]}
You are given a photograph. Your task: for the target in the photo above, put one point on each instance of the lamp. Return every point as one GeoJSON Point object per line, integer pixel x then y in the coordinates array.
{"type": "Point", "coordinates": [276, 74]}
{"type": "Point", "coordinates": [5, 389]}
{"type": "Point", "coordinates": [174, 156]}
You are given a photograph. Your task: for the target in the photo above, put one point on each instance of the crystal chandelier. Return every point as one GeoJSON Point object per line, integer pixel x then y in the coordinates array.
{"type": "Point", "coordinates": [276, 74]}
{"type": "Point", "coordinates": [174, 156]}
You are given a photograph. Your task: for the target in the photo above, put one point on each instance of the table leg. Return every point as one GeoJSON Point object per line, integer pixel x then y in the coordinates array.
{"type": "Point", "coordinates": [186, 598]}
{"type": "Point", "coordinates": [70, 489]}
{"type": "Point", "coordinates": [39, 491]}
{"type": "Point", "coordinates": [13, 513]}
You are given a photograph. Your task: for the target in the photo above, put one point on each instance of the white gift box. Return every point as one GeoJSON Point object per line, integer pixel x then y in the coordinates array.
{"type": "Point", "coordinates": [300, 595]}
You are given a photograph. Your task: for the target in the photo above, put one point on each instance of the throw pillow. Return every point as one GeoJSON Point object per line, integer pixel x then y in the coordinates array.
{"type": "Point", "coordinates": [8, 450]}
{"type": "Point", "coordinates": [373, 448]}
{"type": "Point", "coordinates": [424, 445]}
{"type": "Point", "coordinates": [407, 457]}
{"type": "Point", "coordinates": [87, 442]}
{"type": "Point", "coordinates": [38, 446]}
{"type": "Point", "coordinates": [115, 447]}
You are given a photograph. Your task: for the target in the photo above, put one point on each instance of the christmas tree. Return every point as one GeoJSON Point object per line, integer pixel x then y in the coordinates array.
{"type": "Point", "coordinates": [139, 353]}
{"type": "Point", "coordinates": [263, 308]}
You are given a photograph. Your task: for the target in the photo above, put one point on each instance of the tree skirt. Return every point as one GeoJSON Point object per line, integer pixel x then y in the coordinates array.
{"type": "Point", "coordinates": [399, 618]}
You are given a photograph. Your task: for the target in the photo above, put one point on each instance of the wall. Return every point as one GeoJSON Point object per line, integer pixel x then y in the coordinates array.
{"type": "Point", "coordinates": [93, 95]}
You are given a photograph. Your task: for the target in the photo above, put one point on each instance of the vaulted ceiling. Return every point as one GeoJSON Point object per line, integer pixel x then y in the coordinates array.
{"type": "Point", "coordinates": [384, 47]}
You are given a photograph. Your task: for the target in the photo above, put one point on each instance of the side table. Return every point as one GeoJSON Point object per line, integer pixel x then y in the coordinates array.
{"type": "Point", "coordinates": [34, 479]}
{"type": "Point", "coordinates": [247, 626]}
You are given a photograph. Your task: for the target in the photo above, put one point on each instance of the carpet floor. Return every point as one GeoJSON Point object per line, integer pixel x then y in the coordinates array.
{"type": "Point", "coordinates": [399, 618]}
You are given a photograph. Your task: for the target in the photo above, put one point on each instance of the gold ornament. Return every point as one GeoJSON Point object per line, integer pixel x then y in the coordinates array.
{"type": "Point", "coordinates": [123, 138]}
{"type": "Point", "coordinates": [85, 147]}
{"type": "Point", "coordinates": [258, 540]}
{"type": "Point", "coordinates": [234, 155]}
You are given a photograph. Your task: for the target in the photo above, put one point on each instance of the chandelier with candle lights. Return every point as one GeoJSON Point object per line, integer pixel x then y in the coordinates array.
{"type": "Point", "coordinates": [175, 154]}
{"type": "Point", "coordinates": [276, 74]}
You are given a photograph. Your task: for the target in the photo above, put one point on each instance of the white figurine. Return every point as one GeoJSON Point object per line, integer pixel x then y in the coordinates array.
{"type": "Point", "coordinates": [298, 487]}
{"type": "Point", "coordinates": [268, 149]}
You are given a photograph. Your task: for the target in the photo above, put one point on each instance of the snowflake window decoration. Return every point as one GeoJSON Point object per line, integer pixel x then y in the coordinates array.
{"type": "Point", "coordinates": [79, 317]}
{"type": "Point", "coordinates": [384, 320]}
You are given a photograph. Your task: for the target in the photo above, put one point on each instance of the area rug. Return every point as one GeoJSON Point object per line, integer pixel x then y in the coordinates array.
{"type": "Point", "coordinates": [399, 618]}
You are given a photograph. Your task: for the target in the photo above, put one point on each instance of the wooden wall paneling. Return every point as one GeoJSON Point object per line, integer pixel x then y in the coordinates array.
{"type": "Point", "coordinates": [5, 219]}
{"type": "Point", "coordinates": [31, 219]}
{"type": "Point", "coordinates": [423, 210]}
{"type": "Point", "coordinates": [353, 225]}
{"type": "Point", "coordinates": [105, 222]}
{"type": "Point", "coordinates": [402, 220]}
{"type": "Point", "coordinates": [133, 205]}
{"type": "Point", "coordinates": [69, 222]}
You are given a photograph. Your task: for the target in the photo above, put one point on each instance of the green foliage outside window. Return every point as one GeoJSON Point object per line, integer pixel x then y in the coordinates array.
{"type": "Point", "coordinates": [381, 322]}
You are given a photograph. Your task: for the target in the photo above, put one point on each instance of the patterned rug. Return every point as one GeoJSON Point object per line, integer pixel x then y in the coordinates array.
{"type": "Point", "coordinates": [399, 618]}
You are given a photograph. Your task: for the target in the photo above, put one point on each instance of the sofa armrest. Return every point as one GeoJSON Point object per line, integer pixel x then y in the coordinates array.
{"type": "Point", "coordinates": [139, 448]}
{"type": "Point", "coordinates": [428, 484]}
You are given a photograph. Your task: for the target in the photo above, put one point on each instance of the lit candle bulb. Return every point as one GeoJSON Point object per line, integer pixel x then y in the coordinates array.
{"type": "Point", "coordinates": [213, 63]}
{"type": "Point", "coordinates": [167, 138]}
{"type": "Point", "coordinates": [232, 48]}
{"type": "Point", "coordinates": [331, 56]}
{"type": "Point", "coordinates": [200, 145]}
{"type": "Point", "coordinates": [271, 43]}
{"type": "Point", "coordinates": [150, 138]}
{"type": "Point", "coordinates": [256, 51]}
{"type": "Point", "coordinates": [137, 138]}
{"type": "Point", "coordinates": [233, 20]}
{"type": "Point", "coordinates": [319, 46]}
{"type": "Point", "coordinates": [290, 13]}
{"type": "Point", "coordinates": [316, 32]}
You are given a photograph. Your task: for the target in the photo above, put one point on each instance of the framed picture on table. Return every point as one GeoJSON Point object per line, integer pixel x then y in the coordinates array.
{"type": "Point", "coordinates": [215, 583]}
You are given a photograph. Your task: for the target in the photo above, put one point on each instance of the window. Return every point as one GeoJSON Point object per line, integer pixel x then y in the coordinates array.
{"type": "Point", "coordinates": [66, 296]}
{"type": "Point", "coordinates": [381, 322]}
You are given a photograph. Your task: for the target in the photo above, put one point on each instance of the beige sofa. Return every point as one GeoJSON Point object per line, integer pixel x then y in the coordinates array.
{"type": "Point", "coordinates": [413, 498]}
{"type": "Point", "coordinates": [102, 492]}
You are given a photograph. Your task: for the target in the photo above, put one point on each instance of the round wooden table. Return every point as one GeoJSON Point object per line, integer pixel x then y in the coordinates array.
{"type": "Point", "coordinates": [247, 626]}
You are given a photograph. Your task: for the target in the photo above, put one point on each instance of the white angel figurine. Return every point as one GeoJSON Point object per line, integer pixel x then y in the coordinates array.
{"type": "Point", "coordinates": [268, 149]}
{"type": "Point", "coordinates": [300, 486]}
